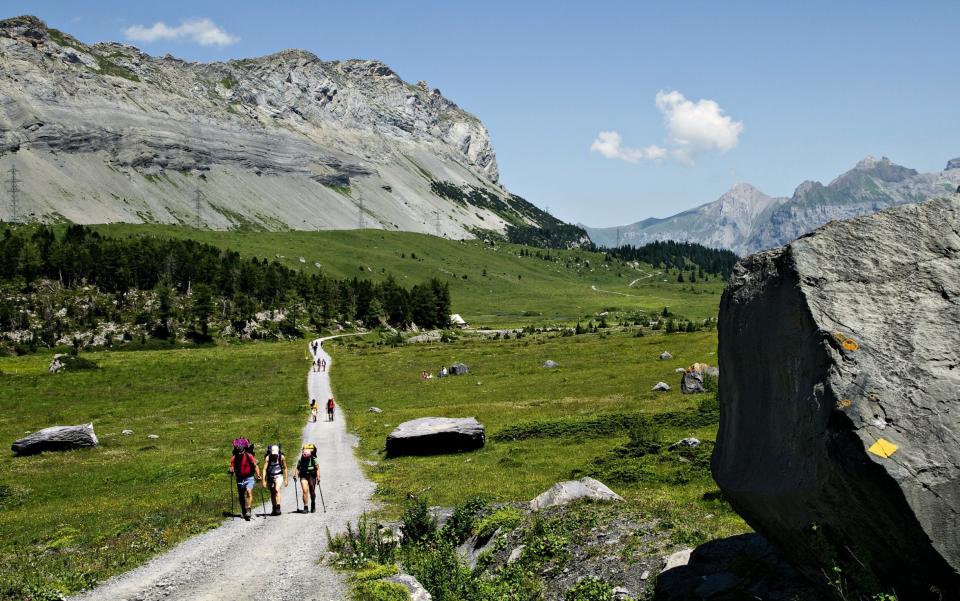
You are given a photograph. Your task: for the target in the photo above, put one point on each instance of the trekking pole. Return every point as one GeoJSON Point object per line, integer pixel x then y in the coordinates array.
{"type": "Point", "coordinates": [322, 502]}
{"type": "Point", "coordinates": [263, 502]}
{"type": "Point", "coordinates": [230, 485]}
{"type": "Point", "coordinates": [297, 494]}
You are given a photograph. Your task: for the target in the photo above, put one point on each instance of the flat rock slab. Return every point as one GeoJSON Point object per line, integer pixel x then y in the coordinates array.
{"type": "Point", "coordinates": [839, 410]}
{"type": "Point", "coordinates": [56, 438]}
{"type": "Point", "coordinates": [434, 435]}
{"type": "Point", "coordinates": [562, 493]}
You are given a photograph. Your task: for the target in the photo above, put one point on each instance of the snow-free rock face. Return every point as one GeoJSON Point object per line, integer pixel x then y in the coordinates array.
{"type": "Point", "coordinates": [433, 435]}
{"type": "Point", "coordinates": [106, 133]}
{"type": "Point", "coordinates": [840, 412]}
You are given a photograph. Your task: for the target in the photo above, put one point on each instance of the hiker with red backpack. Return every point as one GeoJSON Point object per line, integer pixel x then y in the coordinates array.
{"type": "Point", "coordinates": [330, 406]}
{"type": "Point", "coordinates": [307, 473]}
{"type": "Point", "coordinates": [243, 466]}
{"type": "Point", "coordinates": [275, 474]}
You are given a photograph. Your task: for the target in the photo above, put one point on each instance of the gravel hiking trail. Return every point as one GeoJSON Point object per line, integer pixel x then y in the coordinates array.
{"type": "Point", "coordinates": [273, 558]}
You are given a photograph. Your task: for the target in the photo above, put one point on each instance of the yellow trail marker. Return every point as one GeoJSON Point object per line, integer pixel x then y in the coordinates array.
{"type": "Point", "coordinates": [846, 342]}
{"type": "Point", "coordinates": [883, 448]}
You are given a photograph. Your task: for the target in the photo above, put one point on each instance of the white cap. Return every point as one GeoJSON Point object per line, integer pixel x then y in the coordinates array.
{"type": "Point", "coordinates": [274, 450]}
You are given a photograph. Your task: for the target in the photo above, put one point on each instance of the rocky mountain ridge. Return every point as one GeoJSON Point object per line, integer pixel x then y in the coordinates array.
{"type": "Point", "coordinates": [107, 133]}
{"type": "Point", "coordinates": [745, 220]}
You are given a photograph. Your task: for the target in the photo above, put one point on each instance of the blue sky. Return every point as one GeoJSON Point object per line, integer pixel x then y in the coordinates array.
{"type": "Point", "coordinates": [767, 92]}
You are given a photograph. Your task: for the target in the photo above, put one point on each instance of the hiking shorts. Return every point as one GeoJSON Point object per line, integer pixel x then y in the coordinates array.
{"type": "Point", "coordinates": [310, 478]}
{"type": "Point", "coordinates": [245, 483]}
{"type": "Point", "coordinates": [275, 481]}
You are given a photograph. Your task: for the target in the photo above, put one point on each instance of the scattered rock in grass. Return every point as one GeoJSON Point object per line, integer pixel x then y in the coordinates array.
{"type": "Point", "coordinates": [375, 410]}
{"type": "Point", "coordinates": [680, 370]}
{"type": "Point", "coordinates": [56, 438]}
{"type": "Point", "coordinates": [458, 369]}
{"type": "Point", "coordinates": [665, 356]}
{"type": "Point", "coordinates": [691, 382]}
{"type": "Point", "coordinates": [622, 593]}
{"type": "Point", "coordinates": [472, 548]}
{"type": "Point", "coordinates": [685, 442]}
{"type": "Point", "coordinates": [440, 515]}
{"type": "Point", "coordinates": [516, 553]}
{"type": "Point", "coordinates": [433, 435]}
{"type": "Point", "coordinates": [661, 386]}
{"type": "Point", "coordinates": [127, 432]}
{"type": "Point", "coordinates": [677, 559]}
{"type": "Point", "coordinates": [413, 586]}
{"type": "Point", "coordinates": [550, 364]}
{"type": "Point", "coordinates": [63, 362]}
{"type": "Point", "coordinates": [562, 493]}
{"type": "Point", "coordinates": [153, 436]}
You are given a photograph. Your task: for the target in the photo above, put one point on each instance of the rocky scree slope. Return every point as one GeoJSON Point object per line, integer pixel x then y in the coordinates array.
{"type": "Point", "coordinates": [839, 413]}
{"type": "Point", "coordinates": [746, 220]}
{"type": "Point", "coordinates": [106, 133]}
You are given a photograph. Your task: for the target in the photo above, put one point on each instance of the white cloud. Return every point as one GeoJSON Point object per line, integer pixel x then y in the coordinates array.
{"type": "Point", "coordinates": [200, 31]}
{"type": "Point", "coordinates": [608, 144]}
{"type": "Point", "coordinates": [692, 128]}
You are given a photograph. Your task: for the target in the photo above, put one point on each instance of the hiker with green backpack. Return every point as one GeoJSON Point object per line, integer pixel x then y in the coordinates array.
{"type": "Point", "coordinates": [307, 473]}
{"type": "Point", "coordinates": [243, 466]}
{"type": "Point", "coordinates": [274, 474]}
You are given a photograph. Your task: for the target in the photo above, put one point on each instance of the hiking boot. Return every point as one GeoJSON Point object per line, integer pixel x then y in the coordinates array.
{"type": "Point", "coordinates": [313, 506]}
{"type": "Point", "coordinates": [246, 515]}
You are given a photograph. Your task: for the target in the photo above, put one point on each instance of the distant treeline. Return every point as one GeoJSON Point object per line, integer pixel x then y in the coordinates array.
{"type": "Point", "coordinates": [81, 256]}
{"type": "Point", "coordinates": [678, 255]}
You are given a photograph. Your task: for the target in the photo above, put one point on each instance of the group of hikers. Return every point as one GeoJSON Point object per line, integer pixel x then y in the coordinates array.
{"type": "Point", "coordinates": [246, 470]}
{"type": "Point", "coordinates": [313, 409]}
{"type": "Point", "coordinates": [274, 475]}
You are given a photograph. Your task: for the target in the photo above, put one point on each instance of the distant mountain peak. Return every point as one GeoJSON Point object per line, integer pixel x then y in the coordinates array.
{"type": "Point", "coordinates": [870, 161]}
{"type": "Point", "coordinates": [746, 220]}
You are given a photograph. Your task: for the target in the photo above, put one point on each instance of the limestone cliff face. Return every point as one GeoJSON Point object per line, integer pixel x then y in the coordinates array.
{"type": "Point", "coordinates": [107, 133]}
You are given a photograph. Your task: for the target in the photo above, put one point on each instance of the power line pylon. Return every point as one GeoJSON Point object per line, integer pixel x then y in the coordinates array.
{"type": "Point", "coordinates": [14, 192]}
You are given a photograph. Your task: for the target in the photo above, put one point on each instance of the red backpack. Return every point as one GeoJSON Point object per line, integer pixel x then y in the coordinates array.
{"type": "Point", "coordinates": [243, 464]}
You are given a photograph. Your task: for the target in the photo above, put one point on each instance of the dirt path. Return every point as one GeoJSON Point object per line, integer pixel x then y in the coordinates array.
{"type": "Point", "coordinates": [272, 558]}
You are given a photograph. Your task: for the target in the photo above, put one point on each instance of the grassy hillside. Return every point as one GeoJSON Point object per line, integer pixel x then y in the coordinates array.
{"type": "Point", "coordinates": [543, 425]}
{"type": "Point", "coordinates": [71, 519]}
{"type": "Point", "coordinates": [516, 289]}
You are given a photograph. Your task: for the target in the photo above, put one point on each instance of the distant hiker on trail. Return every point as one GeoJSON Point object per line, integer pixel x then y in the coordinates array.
{"type": "Point", "coordinates": [323, 365]}
{"type": "Point", "coordinates": [330, 406]}
{"type": "Point", "coordinates": [243, 465]}
{"type": "Point", "coordinates": [274, 474]}
{"type": "Point", "coordinates": [313, 410]}
{"type": "Point", "coordinates": [307, 473]}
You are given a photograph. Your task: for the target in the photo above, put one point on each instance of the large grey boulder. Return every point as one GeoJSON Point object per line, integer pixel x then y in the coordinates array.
{"type": "Point", "coordinates": [56, 438]}
{"type": "Point", "coordinates": [691, 382]}
{"type": "Point", "coordinates": [432, 435]}
{"type": "Point", "coordinates": [562, 493]}
{"type": "Point", "coordinates": [839, 404]}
